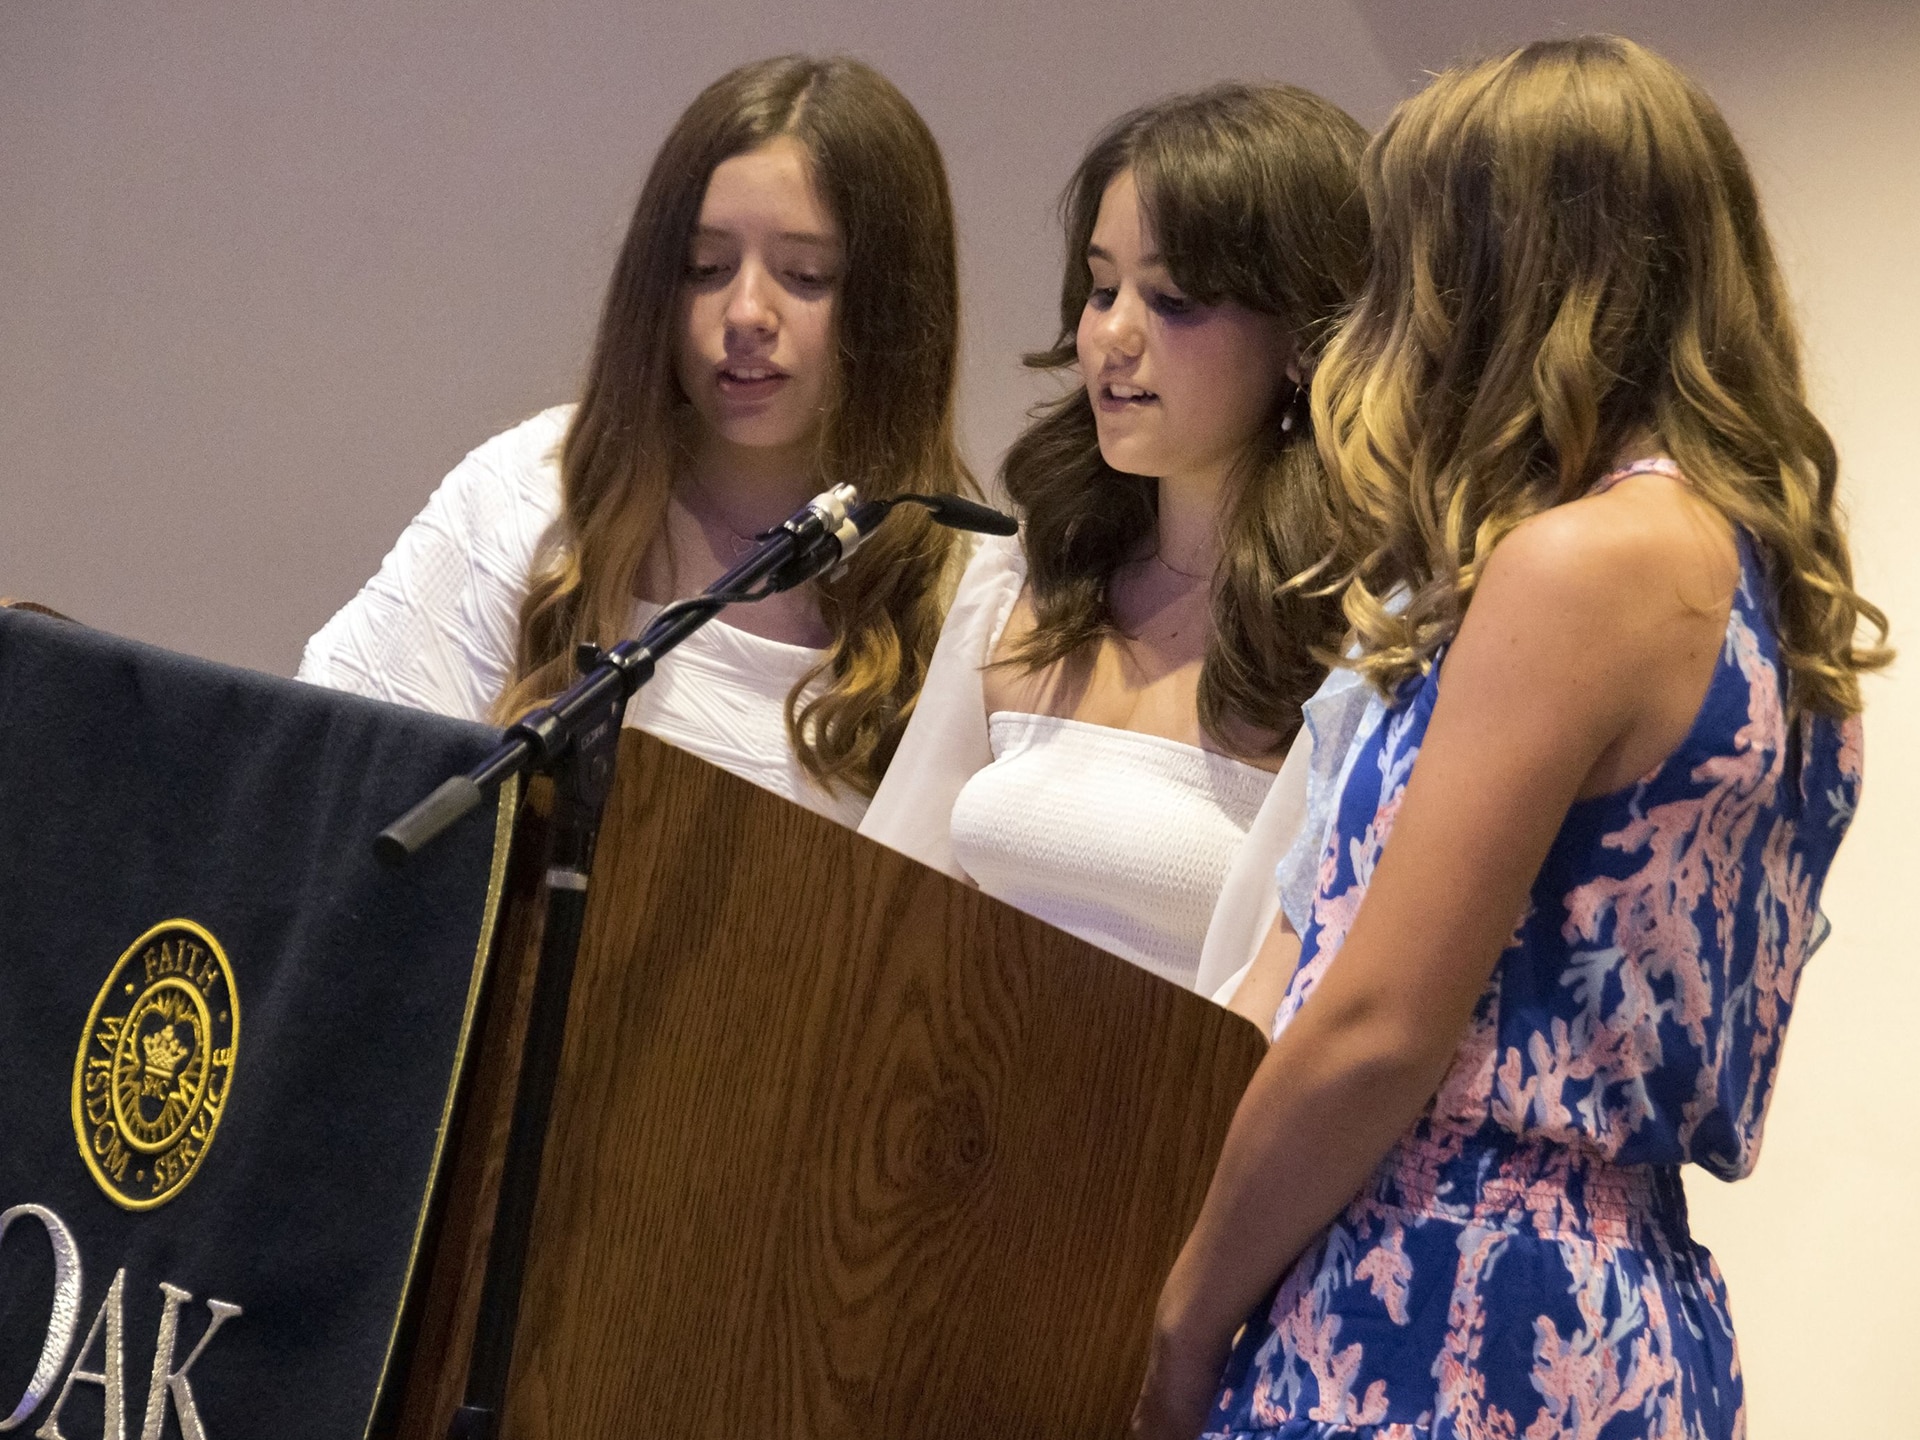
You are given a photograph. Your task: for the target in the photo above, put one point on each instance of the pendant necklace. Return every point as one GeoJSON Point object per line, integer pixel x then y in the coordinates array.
{"type": "Point", "coordinates": [740, 544]}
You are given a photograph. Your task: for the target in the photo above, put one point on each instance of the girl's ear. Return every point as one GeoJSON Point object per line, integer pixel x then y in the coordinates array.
{"type": "Point", "coordinates": [1299, 368]}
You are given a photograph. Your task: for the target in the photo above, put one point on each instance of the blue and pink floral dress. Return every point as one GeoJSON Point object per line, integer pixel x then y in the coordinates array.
{"type": "Point", "coordinates": [1520, 1265]}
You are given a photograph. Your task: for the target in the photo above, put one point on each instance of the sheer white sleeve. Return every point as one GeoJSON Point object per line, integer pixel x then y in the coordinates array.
{"type": "Point", "coordinates": [1249, 900]}
{"type": "Point", "coordinates": [946, 740]}
{"type": "Point", "coordinates": [436, 627]}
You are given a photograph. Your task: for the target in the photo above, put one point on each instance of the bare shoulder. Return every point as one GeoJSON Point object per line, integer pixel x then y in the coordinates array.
{"type": "Point", "coordinates": [1647, 553]}
{"type": "Point", "coordinates": [1600, 621]}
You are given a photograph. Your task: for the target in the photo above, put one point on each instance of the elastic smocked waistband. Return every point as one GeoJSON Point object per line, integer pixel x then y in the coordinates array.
{"type": "Point", "coordinates": [1552, 1191]}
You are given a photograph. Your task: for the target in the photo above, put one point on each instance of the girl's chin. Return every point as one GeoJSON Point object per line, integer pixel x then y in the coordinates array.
{"type": "Point", "coordinates": [1131, 459]}
{"type": "Point", "coordinates": [756, 427]}
{"type": "Point", "coordinates": [761, 438]}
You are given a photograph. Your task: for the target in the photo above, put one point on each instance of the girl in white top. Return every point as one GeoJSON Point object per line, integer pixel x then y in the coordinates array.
{"type": "Point", "coordinates": [783, 316]}
{"type": "Point", "coordinates": [1109, 702]}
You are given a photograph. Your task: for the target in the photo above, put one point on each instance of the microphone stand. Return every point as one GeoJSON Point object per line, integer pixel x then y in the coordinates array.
{"type": "Point", "coordinates": [575, 739]}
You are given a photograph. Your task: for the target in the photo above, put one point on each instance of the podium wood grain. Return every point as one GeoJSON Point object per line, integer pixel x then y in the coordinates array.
{"type": "Point", "coordinates": [841, 1147]}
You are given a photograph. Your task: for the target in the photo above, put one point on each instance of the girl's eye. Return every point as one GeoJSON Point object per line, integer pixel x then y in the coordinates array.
{"type": "Point", "coordinates": [809, 280]}
{"type": "Point", "coordinates": [701, 273]}
{"type": "Point", "coordinates": [1171, 305]}
{"type": "Point", "coordinates": [1101, 296]}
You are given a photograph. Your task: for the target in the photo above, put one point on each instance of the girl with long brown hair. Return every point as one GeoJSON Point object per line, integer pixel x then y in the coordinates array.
{"type": "Point", "coordinates": [783, 316]}
{"type": "Point", "coordinates": [1577, 853]}
{"type": "Point", "coordinates": [1110, 699]}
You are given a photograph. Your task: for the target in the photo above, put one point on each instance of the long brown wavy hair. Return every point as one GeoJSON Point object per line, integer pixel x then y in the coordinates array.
{"type": "Point", "coordinates": [1252, 196]}
{"type": "Point", "coordinates": [1568, 253]}
{"type": "Point", "coordinates": [889, 428]}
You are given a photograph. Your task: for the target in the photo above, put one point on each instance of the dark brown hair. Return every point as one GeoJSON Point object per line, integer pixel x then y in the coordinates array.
{"type": "Point", "coordinates": [890, 428]}
{"type": "Point", "coordinates": [1568, 251]}
{"type": "Point", "coordinates": [1252, 195]}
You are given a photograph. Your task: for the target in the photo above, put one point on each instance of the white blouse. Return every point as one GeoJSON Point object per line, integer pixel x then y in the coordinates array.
{"type": "Point", "coordinates": [436, 627]}
{"type": "Point", "coordinates": [1120, 838]}
{"type": "Point", "coordinates": [949, 741]}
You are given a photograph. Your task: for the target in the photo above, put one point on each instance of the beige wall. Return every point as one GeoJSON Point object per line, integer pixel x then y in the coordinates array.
{"type": "Point", "coordinates": [270, 270]}
{"type": "Point", "coordinates": [1814, 1245]}
{"type": "Point", "coordinates": [267, 271]}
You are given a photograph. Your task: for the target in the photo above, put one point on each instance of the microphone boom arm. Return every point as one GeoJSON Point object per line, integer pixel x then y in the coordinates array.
{"type": "Point", "coordinates": [815, 539]}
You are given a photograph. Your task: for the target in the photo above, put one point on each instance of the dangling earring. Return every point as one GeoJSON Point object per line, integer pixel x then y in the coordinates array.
{"type": "Point", "coordinates": [1295, 401]}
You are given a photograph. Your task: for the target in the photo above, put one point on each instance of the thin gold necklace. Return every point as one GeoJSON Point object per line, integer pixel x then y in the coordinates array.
{"type": "Point", "coordinates": [1161, 561]}
{"type": "Point", "coordinates": [742, 544]}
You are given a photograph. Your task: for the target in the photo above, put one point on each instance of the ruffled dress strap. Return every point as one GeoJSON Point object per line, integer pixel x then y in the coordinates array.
{"type": "Point", "coordinates": [1652, 465]}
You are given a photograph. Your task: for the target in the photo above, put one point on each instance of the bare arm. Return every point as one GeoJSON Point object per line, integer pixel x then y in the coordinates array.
{"type": "Point", "coordinates": [1265, 984]}
{"type": "Point", "coordinates": [1580, 659]}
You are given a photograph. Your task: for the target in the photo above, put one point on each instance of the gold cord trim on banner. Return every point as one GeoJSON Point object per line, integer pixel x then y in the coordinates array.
{"type": "Point", "coordinates": [507, 808]}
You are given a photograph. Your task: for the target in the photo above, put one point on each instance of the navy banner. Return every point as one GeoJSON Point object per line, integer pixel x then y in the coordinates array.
{"type": "Point", "coordinates": [228, 1038]}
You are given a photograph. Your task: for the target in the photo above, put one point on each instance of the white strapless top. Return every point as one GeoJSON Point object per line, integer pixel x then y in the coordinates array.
{"type": "Point", "coordinates": [1120, 838]}
{"type": "Point", "coordinates": [723, 696]}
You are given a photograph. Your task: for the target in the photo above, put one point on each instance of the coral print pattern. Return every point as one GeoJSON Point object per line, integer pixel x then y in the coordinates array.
{"type": "Point", "coordinates": [1519, 1266]}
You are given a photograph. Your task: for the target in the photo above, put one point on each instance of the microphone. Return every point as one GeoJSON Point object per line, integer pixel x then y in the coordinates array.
{"type": "Point", "coordinates": [821, 535]}
{"type": "Point", "coordinates": [949, 510]}
{"type": "Point", "coordinates": [956, 513]}
{"type": "Point", "coordinates": [813, 540]}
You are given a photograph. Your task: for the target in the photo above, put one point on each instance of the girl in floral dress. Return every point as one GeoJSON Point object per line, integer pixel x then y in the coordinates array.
{"type": "Point", "coordinates": [1595, 575]}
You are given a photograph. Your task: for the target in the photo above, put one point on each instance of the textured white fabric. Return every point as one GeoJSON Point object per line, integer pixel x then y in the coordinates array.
{"type": "Point", "coordinates": [722, 695]}
{"type": "Point", "coordinates": [948, 741]}
{"type": "Point", "coordinates": [435, 627]}
{"type": "Point", "coordinates": [1120, 838]}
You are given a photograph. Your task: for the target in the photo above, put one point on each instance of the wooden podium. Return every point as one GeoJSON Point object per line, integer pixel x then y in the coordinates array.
{"type": "Point", "coordinates": [840, 1147]}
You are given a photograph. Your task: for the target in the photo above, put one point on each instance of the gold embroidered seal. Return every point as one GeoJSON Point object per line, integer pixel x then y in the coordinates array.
{"type": "Point", "coordinates": [155, 1064]}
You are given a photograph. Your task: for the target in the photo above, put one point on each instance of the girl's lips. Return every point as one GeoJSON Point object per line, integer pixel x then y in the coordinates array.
{"type": "Point", "coordinates": [1131, 397]}
{"type": "Point", "coordinates": [749, 382]}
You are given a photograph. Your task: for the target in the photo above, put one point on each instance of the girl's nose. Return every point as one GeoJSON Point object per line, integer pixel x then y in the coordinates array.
{"type": "Point", "coordinates": [749, 303]}
{"type": "Point", "coordinates": [1119, 327]}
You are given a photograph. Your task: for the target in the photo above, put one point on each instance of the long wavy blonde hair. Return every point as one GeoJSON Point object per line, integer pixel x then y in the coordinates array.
{"type": "Point", "coordinates": [890, 428]}
{"type": "Point", "coordinates": [1568, 253]}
